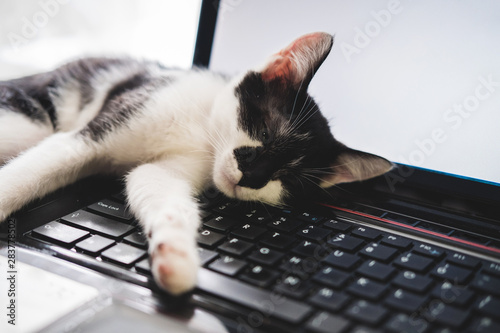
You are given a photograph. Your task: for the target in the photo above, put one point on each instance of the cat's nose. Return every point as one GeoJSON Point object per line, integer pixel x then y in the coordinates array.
{"type": "Point", "coordinates": [253, 165]}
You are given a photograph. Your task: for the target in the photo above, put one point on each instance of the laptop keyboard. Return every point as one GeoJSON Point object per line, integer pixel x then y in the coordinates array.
{"type": "Point", "coordinates": [324, 273]}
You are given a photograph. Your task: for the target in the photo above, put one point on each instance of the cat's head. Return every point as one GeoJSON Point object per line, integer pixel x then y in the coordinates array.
{"type": "Point", "coordinates": [273, 143]}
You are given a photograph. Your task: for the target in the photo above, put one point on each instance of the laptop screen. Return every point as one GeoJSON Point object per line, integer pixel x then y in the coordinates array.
{"type": "Point", "coordinates": [417, 82]}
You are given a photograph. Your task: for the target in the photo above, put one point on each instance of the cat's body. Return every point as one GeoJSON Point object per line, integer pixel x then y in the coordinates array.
{"type": "Point", "coordinates": [173, 133]}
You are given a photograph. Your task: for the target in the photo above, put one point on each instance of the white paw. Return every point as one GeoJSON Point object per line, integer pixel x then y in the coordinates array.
{"type": "Point", "coordinates": [175, 265]}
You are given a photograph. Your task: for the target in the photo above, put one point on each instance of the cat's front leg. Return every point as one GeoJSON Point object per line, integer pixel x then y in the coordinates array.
{"type": "Point", "coordinates": [161, 196]}
{"type": "Point", "coordinates": [55, 162]}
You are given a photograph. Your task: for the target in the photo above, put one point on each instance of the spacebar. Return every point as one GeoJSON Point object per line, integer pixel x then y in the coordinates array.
{"type": "Point", "coordinates": [264, 301]}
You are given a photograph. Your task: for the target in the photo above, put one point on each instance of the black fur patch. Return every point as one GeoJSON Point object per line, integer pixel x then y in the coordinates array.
{"type": "Point", "coordinates": [30, 96]}
{"type": "Point", "coordinates": [297, 145]}
{"type": "Point", "coordinates": [122, 101]}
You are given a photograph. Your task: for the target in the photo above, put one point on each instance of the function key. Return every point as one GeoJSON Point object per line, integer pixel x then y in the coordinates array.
{"type": "Point", "coordinates": [59, 233]}
{"type": "Point", "coordinates": [396, 241]}
{"type": "Point", "coordinates": [337, 225]}
{"type": "Point", "coordinates": [428, 250]}
{"type": "Point", "coordinates": [463, 260]}
{"type": "Point", "coordinates": [492, 268]}
{"type": "Point", "coordinates": [366, 233]}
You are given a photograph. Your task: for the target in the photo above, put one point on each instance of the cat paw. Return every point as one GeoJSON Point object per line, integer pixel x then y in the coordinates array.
{"type": "Point", "coordinates": [175, 266]}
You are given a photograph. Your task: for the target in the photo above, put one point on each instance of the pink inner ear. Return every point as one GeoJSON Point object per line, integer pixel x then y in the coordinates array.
{"type": "Point", "coordinates": [282, 65]}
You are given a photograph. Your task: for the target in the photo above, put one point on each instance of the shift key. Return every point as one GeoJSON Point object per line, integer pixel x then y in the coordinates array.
{"type": "Point", "coordinates": [97, 224]}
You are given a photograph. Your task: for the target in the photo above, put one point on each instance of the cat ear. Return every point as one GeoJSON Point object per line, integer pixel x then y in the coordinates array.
{"type": "Point", "coordinates": [297, 63]}
{"type": "Point", "coordinates": [353, 165]}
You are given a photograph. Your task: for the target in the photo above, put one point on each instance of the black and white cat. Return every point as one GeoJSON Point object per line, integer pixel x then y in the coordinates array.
{"type": "Point", "coordinates": [173, 133]}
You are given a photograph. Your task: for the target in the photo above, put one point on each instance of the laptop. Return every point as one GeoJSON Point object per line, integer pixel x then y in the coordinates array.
{"type": "Point", "coordinates": [415, 250]}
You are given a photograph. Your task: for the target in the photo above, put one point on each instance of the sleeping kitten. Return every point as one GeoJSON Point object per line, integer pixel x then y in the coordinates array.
{"type": "Point", "coordinates": [173, 133]}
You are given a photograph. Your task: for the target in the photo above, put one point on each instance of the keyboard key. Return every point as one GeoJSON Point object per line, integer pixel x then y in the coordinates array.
{"type": "Point", "coordinates": [414, 262]}
{"type": "Point", "coordinates": [367, 313]}
{"type": "Point", "coordinates": [331, 277]}
{"type": "Point", "coordinates": [492, 268]}
{"type": "Point", "coordinates": [248, 232]}
{"type": "Point", "coordinates": [302, 267]}
{"type": "Point", "coordinates": [255, 298]}
{"type": "Point", "coordinates": [98, 224]}
{"type": "Point", "coordinates": [123, 254]}
{"type": "Point", "coordinates": [404, 323]}
{"type": "Point", "coordinates": [379, 252]}
{"type": "Point", "coordinates": [227, 265]}
{"type": "Point", "coordinates": [366, 233]}
{"type": "Point", "coordinates": [489, 306]}
{"type": "Point", "coordinates": [404, 301]}
{"type": "Point", "coordinates": [411, 281]}
{"type": "Point", "coordinates": [345, 242]}
{"type": "Point", "coordinates": [484, 325]}
{"type": "Point", "coordinates": [325, 322]}
{"type": "Point", "coordinates": [309, 249]}
{"type": "Point", "coordinates": [284, 224]}
{"type": "Point", "coordinates": [328, 299]}
{"type": "Point", "coordinates": [488, 284]}
{"type": "Point", "coordinates": [453, 294]}
{"type": "Point", "coordinates": [112, 209]}
{"type": "Point", "coordinates": [209, 238]}
{"type": "Point", "coordinates": [446, 315]}
{"type": "Point", "coordinates": [337, 225]}
{"type": "Point", "coordinates": [266, 256]}
{"type": "Point", "coordinates": [309, 218]}
{"type": "Point", "coordinates": [236, 247]}
{"type": "Point", "coordinates": [293, 286]}
{"type": "Point", "coordinates": [222, 223]}
{"type": "Point", "coordinates": [428, 250]}
{"type": "Point", "coordinates": [94, 244]}
{"type": "Point", "coordinates": [463, 260]}
{"type": "Point", "coordinates": [452, 273]}
{"type": "Point", "coordinates": [277, 240]}
{"type": "Point", "coordinates": [206, 255]}
{"type": "Point", "coordinates": [313, 233]}
{"type": "Point", "coordinates": [342, 260]}
{"type": "Point", "coordinates": [367, 288]}
{"type": "Point", "coordinates": [143, 266]}
{"type": "Point", "coordinates": [375, 270]}
{"type": "Point", "coordinates": [260, 276]}
{"type": "Point", "coordinates": [137, 238]}
{"type": "Point", "coordinates": [59, 233]}
{"type": "Point", "coordinates": [396, 241]}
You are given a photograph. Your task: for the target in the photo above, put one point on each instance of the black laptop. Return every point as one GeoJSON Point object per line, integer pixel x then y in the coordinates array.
{"type": "Point", "coordinates": [416, 250]}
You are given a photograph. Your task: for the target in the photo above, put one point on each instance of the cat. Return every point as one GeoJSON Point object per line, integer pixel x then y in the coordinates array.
{"type": "Point", "coordinates": [172, 133]}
